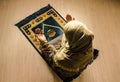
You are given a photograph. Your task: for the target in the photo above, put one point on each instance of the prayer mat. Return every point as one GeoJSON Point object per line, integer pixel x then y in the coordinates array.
{"type": "Point", "coordinates": [49, 21]}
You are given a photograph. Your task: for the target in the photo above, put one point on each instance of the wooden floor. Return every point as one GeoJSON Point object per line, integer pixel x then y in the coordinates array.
{"type": "Point", "coordinates": [20, 62]}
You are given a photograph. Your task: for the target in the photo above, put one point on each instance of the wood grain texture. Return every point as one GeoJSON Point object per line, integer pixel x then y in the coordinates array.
{"type": "Point", "coordinates": [20, 62]}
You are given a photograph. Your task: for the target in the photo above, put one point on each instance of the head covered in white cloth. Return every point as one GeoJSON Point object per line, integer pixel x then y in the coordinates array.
{"type": "Point", "coordinates": [77, 37]}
